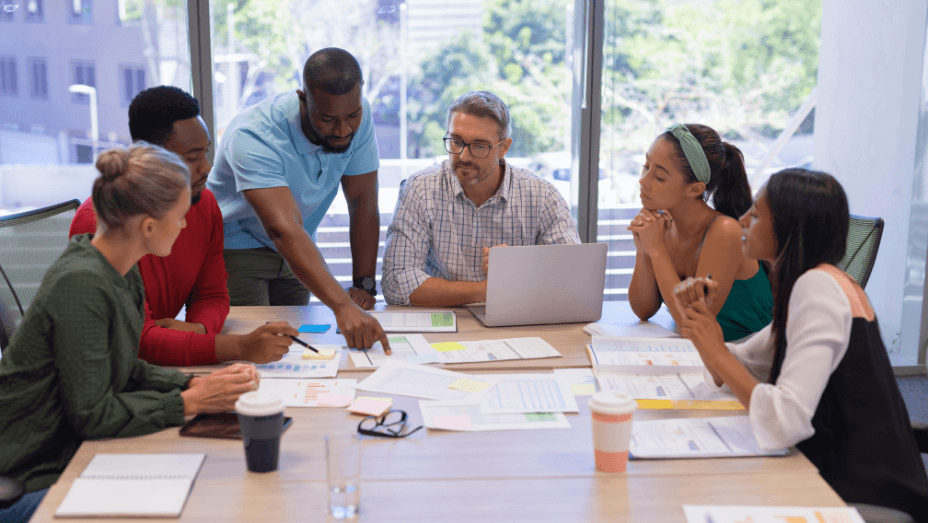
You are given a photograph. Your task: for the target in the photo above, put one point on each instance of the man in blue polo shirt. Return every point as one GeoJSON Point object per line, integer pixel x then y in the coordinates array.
{"type": "Point", "coordinates": [277, 170]}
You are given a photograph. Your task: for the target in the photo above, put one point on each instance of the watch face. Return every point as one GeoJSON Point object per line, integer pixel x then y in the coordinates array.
{"type": "Point", "coordinates": [366, 282]}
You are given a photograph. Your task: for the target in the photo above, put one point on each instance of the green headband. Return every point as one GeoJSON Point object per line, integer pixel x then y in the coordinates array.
{"type": "Point", "coordinates": [693, 152]}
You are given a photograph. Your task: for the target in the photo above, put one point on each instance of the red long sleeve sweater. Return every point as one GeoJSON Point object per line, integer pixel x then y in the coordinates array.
{"type": "Point", "coordinates": [194, 274]}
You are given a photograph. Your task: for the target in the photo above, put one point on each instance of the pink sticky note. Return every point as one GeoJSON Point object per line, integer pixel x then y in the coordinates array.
{"type": "Point", "coordinates": [331, 399]}
{"type": "Point", "coordinates": [453, 422]}
{"type": "Point", "coordinates": [368, 406]}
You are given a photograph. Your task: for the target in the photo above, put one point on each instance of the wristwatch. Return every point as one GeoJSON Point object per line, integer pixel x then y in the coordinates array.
{"type": "Point", "coordinates": [366, 283]}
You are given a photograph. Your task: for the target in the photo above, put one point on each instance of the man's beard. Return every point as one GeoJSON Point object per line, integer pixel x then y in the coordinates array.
{"type": "Point", "coordinates": [329, 148]}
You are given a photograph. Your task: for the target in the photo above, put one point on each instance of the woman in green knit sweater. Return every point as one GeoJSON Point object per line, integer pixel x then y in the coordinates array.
{"type": "Point", "coordinates": [71, 371]}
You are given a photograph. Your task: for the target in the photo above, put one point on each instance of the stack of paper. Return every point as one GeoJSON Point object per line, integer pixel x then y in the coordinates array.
{"type": "Point", "coordinates": [660, 373]}
{"type": "Point", "coordinates": [741, 514]}
{"type": "Point", "coordinates": [723, 437]}
{"type": "Point", "coordinates": [417, 321]}
{"type": "Point", "coordinates": [465, 402]}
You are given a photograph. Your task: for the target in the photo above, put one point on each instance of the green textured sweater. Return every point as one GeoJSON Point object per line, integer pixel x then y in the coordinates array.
{"type": "Point", "coordinates": [71, 371]}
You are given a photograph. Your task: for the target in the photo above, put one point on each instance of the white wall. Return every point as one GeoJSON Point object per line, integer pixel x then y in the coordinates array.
{"type": "Point", "coordinates": [866, 125]}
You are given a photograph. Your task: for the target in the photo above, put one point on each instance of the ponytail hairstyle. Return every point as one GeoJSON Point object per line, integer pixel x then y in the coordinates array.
{"type": "Point", "coordinates": [143, 179]}
{"type": "Point", "coordinates": [810, 223]}
{"type": "Point", "coordinates": [728, 182]}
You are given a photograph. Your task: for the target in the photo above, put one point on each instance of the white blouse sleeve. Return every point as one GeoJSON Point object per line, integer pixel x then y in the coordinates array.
{"type": "Point", "coordinates": [818, 331]}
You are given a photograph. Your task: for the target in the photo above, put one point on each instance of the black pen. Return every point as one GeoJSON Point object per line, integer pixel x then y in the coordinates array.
{"type": "Point", "coordinates": [303, 343]}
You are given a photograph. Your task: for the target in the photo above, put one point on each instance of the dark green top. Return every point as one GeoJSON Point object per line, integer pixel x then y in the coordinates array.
{"type": "Point", "coordinates": [749, 307]}
{"type": "Point", "coordinates": [71, 371]}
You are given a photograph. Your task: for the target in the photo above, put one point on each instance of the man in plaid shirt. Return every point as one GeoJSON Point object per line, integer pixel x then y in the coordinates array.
{"type": "Point", "coordinates": [449, 215]}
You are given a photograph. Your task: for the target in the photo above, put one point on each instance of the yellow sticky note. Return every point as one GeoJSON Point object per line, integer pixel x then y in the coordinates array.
{"type": "Point", "coordinates": [448, 346]}
{"type": "Point", "coordinates": [469, 385]}
{"type": "Point", "coordinates": [583, 389]}
{"type": "Point", "coordinates": [324, 354]}
{"type": "Point", "coordinates": [370, 406]}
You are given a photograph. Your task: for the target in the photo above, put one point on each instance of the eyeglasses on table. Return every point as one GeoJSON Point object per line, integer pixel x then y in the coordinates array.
{"type": "Point", "coordinates": [392, 424]}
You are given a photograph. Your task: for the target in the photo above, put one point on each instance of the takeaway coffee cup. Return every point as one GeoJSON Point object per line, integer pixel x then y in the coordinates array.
{"type": "Point", "coordinates": [612, 428]}
{"type": "Point", "coordinates": [261, 419]}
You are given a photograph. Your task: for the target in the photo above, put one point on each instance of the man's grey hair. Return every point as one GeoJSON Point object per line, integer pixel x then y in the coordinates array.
{"type": "Point", "coordinates": [486, 105]}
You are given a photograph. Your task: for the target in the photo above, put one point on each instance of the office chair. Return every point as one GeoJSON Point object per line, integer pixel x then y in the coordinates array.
{"type": "Point", "coordinates": [863, 243]}
{"type": "Point", "coordinates": [32, 241]}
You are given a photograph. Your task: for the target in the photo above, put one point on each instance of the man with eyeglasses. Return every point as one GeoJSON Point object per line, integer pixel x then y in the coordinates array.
{"type": "Point", "coordinates": [449, 215]}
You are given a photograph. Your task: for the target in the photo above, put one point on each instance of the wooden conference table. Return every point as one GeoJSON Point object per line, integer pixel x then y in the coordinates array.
{"type": "Point", "coordinates": [531, 475]}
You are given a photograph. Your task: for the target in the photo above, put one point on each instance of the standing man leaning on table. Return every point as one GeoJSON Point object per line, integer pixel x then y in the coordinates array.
{"type": "Point", "coordinates": [193, 274]}
{"type": "Point", "coordinates": [277, 170]}
{"type": "Point", "coordinates": [449, 215]}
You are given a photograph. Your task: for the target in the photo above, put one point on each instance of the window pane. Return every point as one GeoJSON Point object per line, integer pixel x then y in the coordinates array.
{"type": "Point", "coordinates": [744, 68]}
{"type": "Point", "coordinates": [45, 135]}
{"type": "Point", "coordinates": [432, 51]}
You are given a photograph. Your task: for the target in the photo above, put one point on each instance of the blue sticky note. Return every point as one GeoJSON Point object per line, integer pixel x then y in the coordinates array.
{"type": "Point", "coordinates": [315, 329]}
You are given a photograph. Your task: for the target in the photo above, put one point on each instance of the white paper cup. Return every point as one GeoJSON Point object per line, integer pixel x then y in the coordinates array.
{"type": "Point", "coordinates": [612, 429]}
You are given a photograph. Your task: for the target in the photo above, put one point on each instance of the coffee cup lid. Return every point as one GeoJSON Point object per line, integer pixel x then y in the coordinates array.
{"type": "Point", "coordinates": [259, 403]}
{"type": "Point", "coordinates": [611, 402]}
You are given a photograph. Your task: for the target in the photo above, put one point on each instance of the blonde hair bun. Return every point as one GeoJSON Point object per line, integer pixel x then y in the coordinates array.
{"type": "Point", "coordinates": [113, 164]}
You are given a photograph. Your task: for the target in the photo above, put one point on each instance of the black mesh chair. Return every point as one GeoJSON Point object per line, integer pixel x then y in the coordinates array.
{"type": "Point", "coordinates": [31, 241]}
{"type": "Point", "coordinates": [863, 243]}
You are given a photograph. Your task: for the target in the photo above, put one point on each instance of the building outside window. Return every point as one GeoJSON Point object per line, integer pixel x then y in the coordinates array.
{"type": "Point", "coordinates": [35, 11]}
{"type": "Point", "coordinates": [7, 8]}
{"type": "Point", "coordinates": [38, 78]}
{"type": "Point", "coordinates": [130, 12]}
{"type": "Point", "coordinates": [80, 11]}
{"type": "Point", "coordinates": [131, 82]}
{"type": "Point", "coordinates": [85, 74]}
{"type": "Point", "coordinates": [8, 84]}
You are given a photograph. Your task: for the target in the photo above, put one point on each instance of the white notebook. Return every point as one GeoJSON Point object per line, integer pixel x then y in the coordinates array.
{"type": "Point", "coordinates": [146, 485]}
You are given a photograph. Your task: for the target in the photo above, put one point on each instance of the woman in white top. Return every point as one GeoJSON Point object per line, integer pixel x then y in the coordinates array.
{"type": "Point", "coordinates": [818, 376]}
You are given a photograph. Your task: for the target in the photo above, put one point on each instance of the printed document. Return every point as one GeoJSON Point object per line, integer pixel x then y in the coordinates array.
{"type": "Point", "coordinates": [419, 381]}
{"type": "Point", "coordinates": [767, 514]}
{"type": "Point", "coordinates": [464, 416]}
{"type": "Point", "coordinates": [525, 393]}
{"type": "Point", "coordinates": [411, 348]}
{"type": "Point", "coordinates": [499, 350]}
{"type": "Point", "coordinates": [292, 365]}
{"type": "Point", "coordinates": [721, 437]}
{"type": "Point", "coordinates": [305, 392]}
{"type": "Point", "coordinates": [417, 321]}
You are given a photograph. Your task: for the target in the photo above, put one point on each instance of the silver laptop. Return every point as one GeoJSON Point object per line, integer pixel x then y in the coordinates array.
{"type": "Point", "coordinates": [541, 284]}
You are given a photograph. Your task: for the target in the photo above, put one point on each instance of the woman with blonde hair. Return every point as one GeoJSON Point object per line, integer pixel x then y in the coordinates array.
{"type": "Point", "coordinates": [71, 371]}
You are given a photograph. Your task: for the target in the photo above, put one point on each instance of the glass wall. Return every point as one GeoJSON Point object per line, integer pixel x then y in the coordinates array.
{"type": "Point", "coordinates": [417, 57]}
{"type": "Point", "coordinates": [67, 72]}
{"type": "Point", "coordinates": [746, 68]}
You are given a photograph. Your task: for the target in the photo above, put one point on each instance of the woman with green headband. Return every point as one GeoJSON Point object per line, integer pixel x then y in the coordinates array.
{"type": "Point", "coordinates": [678, 235]}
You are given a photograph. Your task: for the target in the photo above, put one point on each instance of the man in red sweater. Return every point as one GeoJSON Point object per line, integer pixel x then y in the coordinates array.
{"type": "Point", "coordinates": [194, 274]}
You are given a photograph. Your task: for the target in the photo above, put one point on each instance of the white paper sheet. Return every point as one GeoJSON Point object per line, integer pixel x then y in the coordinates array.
{"type": "Point", "coordinates": [448, 415]}
{"type": "Point", "coordinates": [644, 355]}
{"type": "Point", "coordinates": [419, 381]}
{"type": "Point", "coordinates": [417, 320]}
{"type": "Point", "coordinates": [526, 393]}
{"type": "Point", "coordinates": [500, 350]}
{"type": "Point", "coordinates": [678, 386]}
{"type": "Point", "coordinates": [642, 329]}
{"type": "Point", "coordinates": [760, 514]}
{"type": "Point", "coordinates": [292, 365]}
{"type": "Point", "coordinates": [303, 392]}
{"type": "Point", "coordinates": [153, 485]}
{"type": "Point", "coordinates": [729, 436]}
{"type": "Point", "coordinates": [411, 348]}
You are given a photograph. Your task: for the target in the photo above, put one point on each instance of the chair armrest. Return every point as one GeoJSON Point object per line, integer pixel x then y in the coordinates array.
{"type": "Point", "coordinates": [10, 491]}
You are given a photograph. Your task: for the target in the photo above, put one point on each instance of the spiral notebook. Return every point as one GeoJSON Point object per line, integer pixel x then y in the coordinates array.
{"type": "Point", "coordinates": [132, 485]}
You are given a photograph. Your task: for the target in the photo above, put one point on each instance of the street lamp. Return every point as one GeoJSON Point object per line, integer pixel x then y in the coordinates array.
{"type": "Point", "coordinates": [94, 130]}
